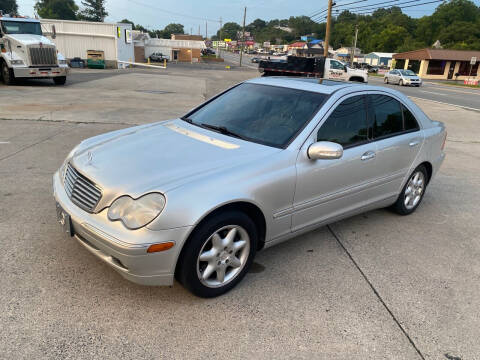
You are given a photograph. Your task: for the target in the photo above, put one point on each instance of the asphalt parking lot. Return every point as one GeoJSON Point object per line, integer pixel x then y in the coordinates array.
{"type": "Point", "coordinates": [375, 286]}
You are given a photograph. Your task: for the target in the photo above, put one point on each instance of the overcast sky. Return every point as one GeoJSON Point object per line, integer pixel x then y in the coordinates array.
{"type": "Point", "coordinates": [154, 14]}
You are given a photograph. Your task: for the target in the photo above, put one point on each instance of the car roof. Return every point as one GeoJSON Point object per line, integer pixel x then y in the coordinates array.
{"type": "Point", "coordinates": [302, 83]}
{"type": "Point", "coordinates": [327, 87]}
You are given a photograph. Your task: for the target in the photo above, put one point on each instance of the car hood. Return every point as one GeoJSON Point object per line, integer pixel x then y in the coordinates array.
{"type": "Point", "coordinates": [30, 39]}
{"type": "Point", "coordinates": [159, 157]}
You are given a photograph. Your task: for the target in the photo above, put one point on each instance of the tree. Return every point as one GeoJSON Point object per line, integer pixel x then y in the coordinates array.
{"type": "Point", "coordinates": [94, 10]}
{"type": "Point", "coordinates": [57, 9]}
{"type": "Point", "coordinates": [229, 31]}
{"type": "Point", "coordinates": [172, 29]}
{"type": "Point", "coordinates": [9, 6]}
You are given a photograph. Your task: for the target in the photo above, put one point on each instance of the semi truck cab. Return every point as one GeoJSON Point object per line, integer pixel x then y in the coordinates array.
{"type": "Point", "coordinates": [26, 53]}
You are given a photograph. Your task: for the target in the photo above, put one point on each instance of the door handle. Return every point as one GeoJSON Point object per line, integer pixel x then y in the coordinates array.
{"type": "Point", "coordinates": [414, 143]}
{"type": "Point", "coordinates": [368, 155]}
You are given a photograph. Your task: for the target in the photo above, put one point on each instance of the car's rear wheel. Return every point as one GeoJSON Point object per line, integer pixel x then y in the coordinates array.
{"type": "Point", "coordinates": [218, 254]}
{"type": "Point", "coordinates": [385, 80]}
{"type": "Point", "coordinates": [412, 193]}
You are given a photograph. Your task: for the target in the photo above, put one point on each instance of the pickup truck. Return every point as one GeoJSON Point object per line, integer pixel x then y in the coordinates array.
{"type": "Point", "coordinates": [320, 67]}
{"type": "Point", "coordinates": [157, 56]}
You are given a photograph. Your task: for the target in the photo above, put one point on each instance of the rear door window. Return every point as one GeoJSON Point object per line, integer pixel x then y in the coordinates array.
{"type": "Point", "coordinates": [385, 115]}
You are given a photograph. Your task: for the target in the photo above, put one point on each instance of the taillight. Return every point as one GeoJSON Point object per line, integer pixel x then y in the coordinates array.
{"type": "Point", "coordinates": [444, 140]}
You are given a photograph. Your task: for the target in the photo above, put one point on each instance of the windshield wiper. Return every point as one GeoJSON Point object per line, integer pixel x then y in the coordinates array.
{"type": "Point", "coordinates": [223, 130]}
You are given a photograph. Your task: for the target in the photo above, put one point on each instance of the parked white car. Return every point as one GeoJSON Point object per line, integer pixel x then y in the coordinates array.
{"type": "Point", "coordinates": [402, 77]}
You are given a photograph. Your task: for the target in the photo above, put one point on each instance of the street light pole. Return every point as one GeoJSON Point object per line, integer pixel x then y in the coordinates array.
{"type": "Point", "coordinates": [243, 35]}
{"type": "Point", "coordinates": [327, 32]}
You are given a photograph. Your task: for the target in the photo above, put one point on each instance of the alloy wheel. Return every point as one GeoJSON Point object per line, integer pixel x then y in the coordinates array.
{"type": "Point", "coordinates": [223, 256]}
{"type": "Point", "coordinates": [414, 190]}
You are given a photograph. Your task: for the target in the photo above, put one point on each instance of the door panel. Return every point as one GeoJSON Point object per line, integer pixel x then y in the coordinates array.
{"type": "Point", "coordinates": [326, 188]}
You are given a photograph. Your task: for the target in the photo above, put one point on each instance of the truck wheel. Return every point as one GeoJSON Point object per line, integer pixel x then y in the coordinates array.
{"type": "Point", "coordinates": [61, 80]}
{"type": "Point", "coordinates": [7, 75]}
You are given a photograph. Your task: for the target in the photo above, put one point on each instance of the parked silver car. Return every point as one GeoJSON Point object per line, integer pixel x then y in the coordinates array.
{"type": "Point", "coordinates": [402, 78]}
{"type": "Point", "coordinates": [261, 163]}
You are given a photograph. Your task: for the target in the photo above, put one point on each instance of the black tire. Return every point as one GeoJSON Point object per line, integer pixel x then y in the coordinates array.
{"type": "Point", "coordinates": [399, 207]}
{"type": "Point", "coordinates": [60, 80]}
{"type": "Point", "coordinates": [187, 273]}
{"type": "Point", "coordinates": [7, 75]}
{"type": "Point", "coordinates": [385, 80]}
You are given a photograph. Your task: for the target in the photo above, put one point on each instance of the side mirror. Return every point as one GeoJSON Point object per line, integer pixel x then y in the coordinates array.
{"type": "Point", "coordinates": [325, 150]}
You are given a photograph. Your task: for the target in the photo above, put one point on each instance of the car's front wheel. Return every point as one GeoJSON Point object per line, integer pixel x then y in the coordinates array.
{"type": "Point", "coordinates": [218, 254]}
{"type": "Point", "coordinates": [412, 193]}
{"type": "Point", "coordinates": [400, 83]}
{"type": "Point", "coordinates": [385, 80]}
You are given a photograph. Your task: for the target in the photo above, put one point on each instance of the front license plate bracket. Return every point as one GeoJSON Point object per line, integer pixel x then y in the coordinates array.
{"type": "Point", "coordinates": [64, 219]}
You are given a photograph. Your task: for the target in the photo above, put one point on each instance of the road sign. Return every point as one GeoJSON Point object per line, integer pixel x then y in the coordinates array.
{"type": "Point", "coordinates": [227, 40]}
{"type": "Point", "coordinates": [473, 60]}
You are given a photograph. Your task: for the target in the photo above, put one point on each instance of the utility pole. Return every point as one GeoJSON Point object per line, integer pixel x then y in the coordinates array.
{"type": "Point", "coordinates": [243, 34]}
{"type": "Point", "coordinates": [220, 36]}
{"type": "Point", "coordinates": [198, 29]}
{"type": "Point", "coordinates": [327, 32]}
{"type": "Point", "coordinates": [354, 45]}
{"type": "Point", "coordinates": [206, 30]}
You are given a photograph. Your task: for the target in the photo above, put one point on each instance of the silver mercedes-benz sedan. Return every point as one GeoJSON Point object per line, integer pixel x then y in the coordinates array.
{"type": "Point", "coordinates": [402, 77]}
{"type": "Point", "coordinates": [196, 197]}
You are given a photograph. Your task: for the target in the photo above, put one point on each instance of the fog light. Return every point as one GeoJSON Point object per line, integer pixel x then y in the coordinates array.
{"type": "Point", "coordinates": [160, 247]}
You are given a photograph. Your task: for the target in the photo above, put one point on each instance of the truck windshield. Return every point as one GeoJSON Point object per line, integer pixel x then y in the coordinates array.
{"type": "Point", "coordinates": [264, 114]}
{"type": "Point", "coordinates": [21, 27]}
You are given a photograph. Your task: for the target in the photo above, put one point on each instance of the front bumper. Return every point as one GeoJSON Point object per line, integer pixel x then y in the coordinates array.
{"type": "Point", "coordinates": [122, 249]}
{"type": "Point", "coordinates": [40, 72]}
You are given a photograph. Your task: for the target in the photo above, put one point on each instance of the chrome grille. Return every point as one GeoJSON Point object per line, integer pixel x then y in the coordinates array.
{"type": "Point", "coordinates": [44, 56]}
{"type": "Point", "coordinates": [81, 190]}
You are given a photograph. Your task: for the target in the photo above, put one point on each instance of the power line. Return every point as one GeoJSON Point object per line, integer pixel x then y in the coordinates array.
{"type": "Point", "coordinates": [370, 11]}
{"type": "Point", "coordinates": [366, 12]}
{"type": "Point", "coordinates": [382, 3]}
{"type": "Point", "coordinates": [171, 12]}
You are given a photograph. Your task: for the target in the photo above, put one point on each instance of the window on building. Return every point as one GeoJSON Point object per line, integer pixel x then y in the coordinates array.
{"type": "Point", "coordinates": [347, 125]}
{"type": "Point", "coordinates": [436, 67]}
{"type": "Point", "coordinates": [385, 115]}
{"type": "Point", "coordinates": [400, 64]}
{"type": "Point", "coordinates": [464, 69]}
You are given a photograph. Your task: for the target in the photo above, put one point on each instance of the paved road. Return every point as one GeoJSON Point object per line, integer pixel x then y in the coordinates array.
{"type": "Point", "coordinates": [375, 286]}
{"type": "Point", "coordinates": [464, 97]}
{"type": "Point", "coordinates": [459, 96]}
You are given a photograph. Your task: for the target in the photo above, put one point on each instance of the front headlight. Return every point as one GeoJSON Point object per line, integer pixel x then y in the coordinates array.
{"type": "Point", "coordinates": [16, 62]}
{"type": "Point", "coordinates": [136, 213]}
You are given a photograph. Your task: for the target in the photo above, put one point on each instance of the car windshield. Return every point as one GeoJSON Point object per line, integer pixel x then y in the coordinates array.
{"type": "Point", "coordinates": [407, 72]}
{"type": "Point", "coordinates": [20, 27]}
{"type": "Point", "coordinates": [264, 114]}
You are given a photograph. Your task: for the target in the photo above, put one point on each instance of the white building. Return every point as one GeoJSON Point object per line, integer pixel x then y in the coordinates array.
{"type": "Point", "coordinates": [75, 38]}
